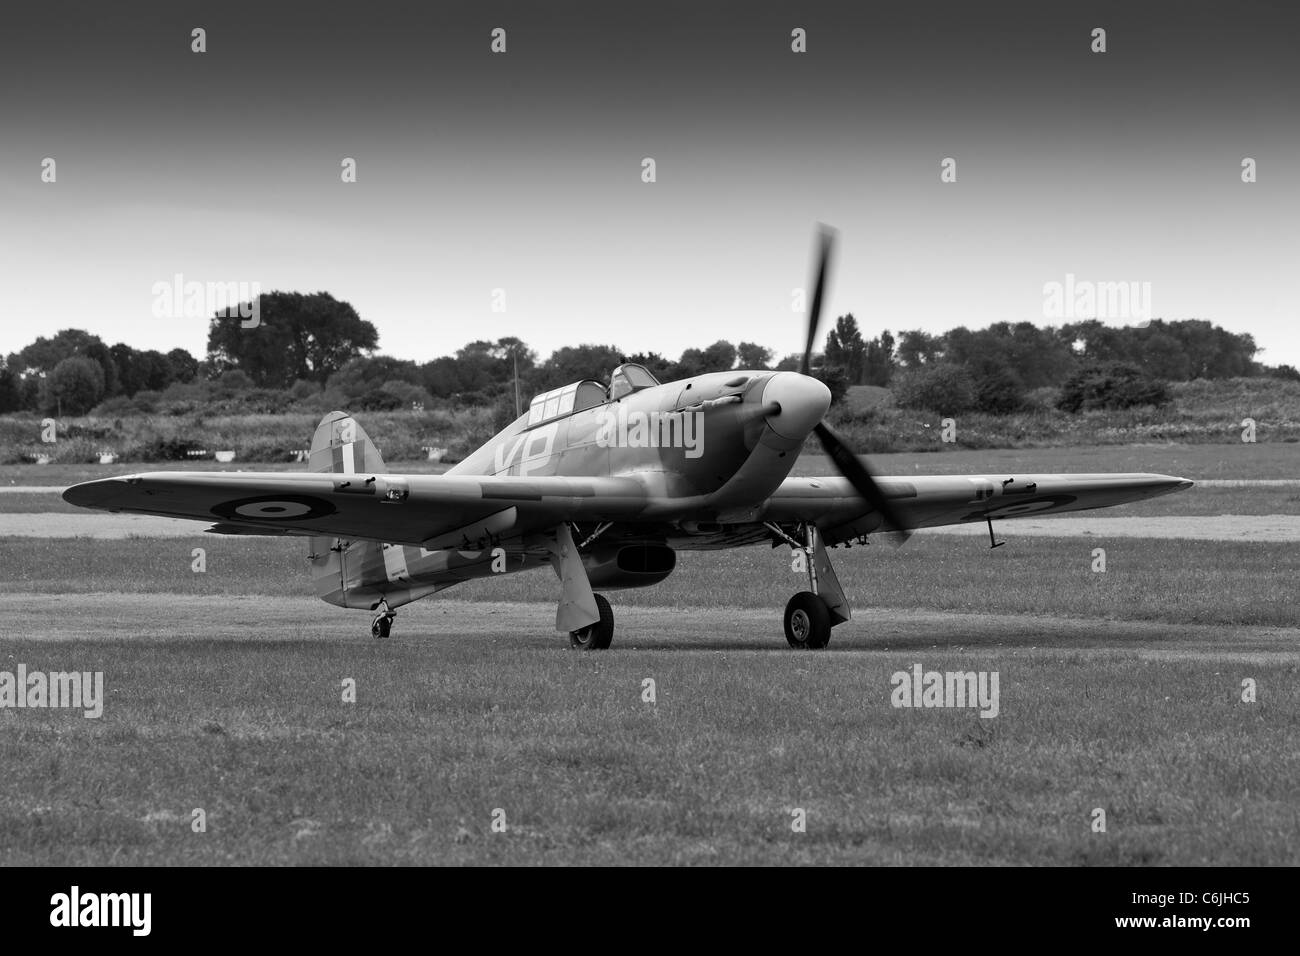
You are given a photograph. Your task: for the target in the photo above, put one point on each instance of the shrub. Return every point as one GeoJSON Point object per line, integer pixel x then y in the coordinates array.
{"type": "Point", "coordinates": [942, 387]}
{"type": "Point", "coordinates": [146, 401]}
{"type": "Point", "coordinates": [303, 389]}
{"type": "Point", "coordinates": [160, 448]}
{"type": "Point", "coordinates": [378, 400]}
{"type": "Point", "coordinates": [115, 406]}
{"type": "Point", "coordinates": [1111, 385]}
{"type": "Point", "coordinates": [407, 394]}
{"type": "Point", "coordinates": [999, 392]}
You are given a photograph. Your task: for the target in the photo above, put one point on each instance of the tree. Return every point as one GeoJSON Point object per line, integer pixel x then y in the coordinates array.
{"type": "Point", "coordinates": [753, 356]}
{"type": "Point", "coordinates": [917, 348]}
{"type": "Point", "coordinates": [44, 354]}
{"type": "Point", "coordinates": [575, 363]}
{"type": "Point", "coordinates": [791, 362]}
{"type": "Point", "coordinates": [1094, 342]}
{"type": "Point", "coordinates": [878, 362]}
{"type": "Point", "coordinates": [511, 350]}
{"type": "Point", "coordinates": [691, 363]}
{"type": "Point", "coordinates": [367, 374]}
{"type": "Point", "coordinates": [719, 357]}
{"type": "Point", "coordinates": [441, 376]}
{"type": "Point", "coordinates": [75, 386]}
{"type": "Point", "coordinates": [846, 350]}
{"type": "Point", "coordinates": [129, 376]}
{"type": "Point", "coordinates": [999, 391]}
{"type": "Point", "coordinates": [1034, 356]}
{"type": "Point", "coordinates": [10, 394]}
{"type": "Point", "coordinates": [298, 337]}
{"type": "Point", "coordinates": [184, 366]}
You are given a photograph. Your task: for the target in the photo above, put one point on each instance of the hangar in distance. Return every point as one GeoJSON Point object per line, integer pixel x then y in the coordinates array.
{"type": "Point", "coordinates": [604, 483]}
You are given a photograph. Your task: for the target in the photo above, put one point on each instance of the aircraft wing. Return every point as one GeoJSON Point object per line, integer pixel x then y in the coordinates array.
{"type": "Point", "coordinates": [431, 511]}
{"type": "Point", "coordinates": [929, 501]}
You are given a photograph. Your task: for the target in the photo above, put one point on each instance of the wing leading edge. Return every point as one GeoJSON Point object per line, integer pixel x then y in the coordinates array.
{"type": "Point", "coordinates": [930, 501]}
{"type": "Point", "coordinates": [417, 510]}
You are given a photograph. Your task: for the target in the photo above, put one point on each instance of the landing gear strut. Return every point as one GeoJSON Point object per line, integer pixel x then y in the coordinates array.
{"type": "Point", "coordinates": [383, 622]}
{"type": "Point", "coordinates": [597, 636]}
{"type": "Point", "coordinates": [810, 615]}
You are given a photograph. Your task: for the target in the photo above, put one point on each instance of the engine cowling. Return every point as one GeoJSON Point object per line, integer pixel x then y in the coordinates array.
{"type": "Point", "coordinates": [630, 565]}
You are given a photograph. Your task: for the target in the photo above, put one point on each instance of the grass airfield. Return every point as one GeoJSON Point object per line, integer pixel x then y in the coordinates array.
{"type": "Point", "coordinates": [1119, 690]}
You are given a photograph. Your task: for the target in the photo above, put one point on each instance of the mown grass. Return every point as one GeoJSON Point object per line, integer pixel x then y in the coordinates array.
{"type": "Point", "coordinates": [1149, 580]}
{"type": "Point", "coordinates": [240, 713]}
{"type": "Point", "coordinates": [1118, 690]}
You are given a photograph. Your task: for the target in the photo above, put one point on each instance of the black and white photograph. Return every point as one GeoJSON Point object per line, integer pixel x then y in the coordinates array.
{"type": "Point", "coordinates": [714, 434]}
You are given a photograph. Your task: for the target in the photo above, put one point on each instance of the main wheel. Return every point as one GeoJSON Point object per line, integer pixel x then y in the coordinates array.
{"type": "Point", "coordinates": [382, 626]}
{"type": "Point", "coordinates": [807, 621]}
{"type": "Point", "coordinates": [597, 636]}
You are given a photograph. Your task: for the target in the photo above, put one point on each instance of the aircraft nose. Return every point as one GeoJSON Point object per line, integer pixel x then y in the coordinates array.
{"type": "Point", "coordinates": [803, 402]}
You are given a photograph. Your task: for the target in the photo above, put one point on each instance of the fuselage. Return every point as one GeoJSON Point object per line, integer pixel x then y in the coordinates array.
{"type": "Point", "coordinates": [709, 450]}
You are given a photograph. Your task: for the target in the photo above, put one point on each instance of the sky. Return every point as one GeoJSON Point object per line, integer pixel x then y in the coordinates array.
{"type": "Point", "coordinates": [522, 171]}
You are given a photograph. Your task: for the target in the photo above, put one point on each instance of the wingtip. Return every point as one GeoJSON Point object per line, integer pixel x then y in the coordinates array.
{"type": "Point", "coordinates": [92, 494]}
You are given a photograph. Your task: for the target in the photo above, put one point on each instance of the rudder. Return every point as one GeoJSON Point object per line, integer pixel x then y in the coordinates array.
{"type": "Point", "coordinates": [341, 446]}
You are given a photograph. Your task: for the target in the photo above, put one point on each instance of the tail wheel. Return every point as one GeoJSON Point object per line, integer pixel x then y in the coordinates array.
{"type": "Point", "coordinates": [597, 636]}
{"type": "Point", "coordinates": [807, 621]}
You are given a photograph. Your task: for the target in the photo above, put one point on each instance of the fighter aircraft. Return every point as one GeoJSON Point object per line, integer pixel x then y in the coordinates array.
{"type": "Point", "coordinates": [604, 483]}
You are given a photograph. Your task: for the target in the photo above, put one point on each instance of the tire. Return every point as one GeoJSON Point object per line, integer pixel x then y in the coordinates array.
{"type": "Point", "coordinates": [598, 636]}
{"type": "Point", "coordinates": [807, 622]}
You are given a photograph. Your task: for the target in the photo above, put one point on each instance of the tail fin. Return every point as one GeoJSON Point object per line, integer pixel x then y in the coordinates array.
{"type": "Point", "coordinates": [341, 445]}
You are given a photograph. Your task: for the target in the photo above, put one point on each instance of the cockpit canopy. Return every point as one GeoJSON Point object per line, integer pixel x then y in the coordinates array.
{"type": "Point", "coordinates": [559, 402]}
{"type": "Point", "coordinates": [629, 378]}
{"type": "Point", "coordinates": [566, 400]}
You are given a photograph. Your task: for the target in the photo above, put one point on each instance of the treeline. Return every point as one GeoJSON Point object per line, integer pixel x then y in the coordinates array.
{"type": "Point", "coordinates": [311, 352]}
{"type": "Point", "coordinates": [1000, 368]}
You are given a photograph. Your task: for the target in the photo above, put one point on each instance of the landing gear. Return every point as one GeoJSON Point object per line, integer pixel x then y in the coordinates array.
{"type": "Point", "coordinates": [811, 614]}
{"type": "Point", "coordinates": [807, 622]}
{"type": "Point", "coordinates": [597, 636]}
{"type": "Point", "coordinates": [383, 622]}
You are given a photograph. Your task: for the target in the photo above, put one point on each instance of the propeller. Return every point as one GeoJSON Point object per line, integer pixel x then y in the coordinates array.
{"type": "Point", "coordinates": [843, 457]}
